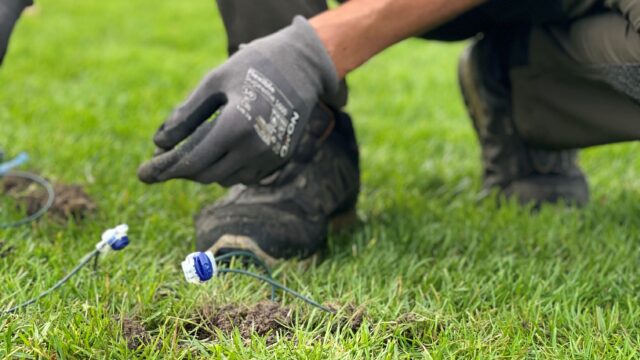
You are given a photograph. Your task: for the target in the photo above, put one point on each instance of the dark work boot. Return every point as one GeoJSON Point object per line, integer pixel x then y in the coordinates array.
{"type": "Point", "coordinates": [510, 165]}
{"type": "Point", "coordinates": [288, 215]}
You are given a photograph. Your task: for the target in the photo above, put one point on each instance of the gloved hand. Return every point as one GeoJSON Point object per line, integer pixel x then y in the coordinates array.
{"type": "Point", "coordinates": [10, 11]}
{"type": "Point", "coordinates": [263, 96]}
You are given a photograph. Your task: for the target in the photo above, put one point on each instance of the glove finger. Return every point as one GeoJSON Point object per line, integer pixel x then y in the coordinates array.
{"type": "Point", "coordinates": [235, 168]}
{"type": "Point", "coordinates": [199, 107]}
{"type": "Point", "coordinates": [220, 171]}
{"type": "Point", "coordinates": [158, 151]}
{"type": "Point", "coordinates": [246, 176]}
{"type": "Point", "coordinates": [184, 160]}
{"type": "Point", "coordinates": [232, 179]}
{"type": "Point", "coordinates": [149, 172]}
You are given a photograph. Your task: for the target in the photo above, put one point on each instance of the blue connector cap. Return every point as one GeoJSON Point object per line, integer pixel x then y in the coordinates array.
{"type": "Point", "coordinates": [199, 267]}
{"type": "Point", "coordinates": [114, 239]}
{"type": "Point", "coordinates": [203, 266]}
{"type": "Point", "coordinates": [119, 244]}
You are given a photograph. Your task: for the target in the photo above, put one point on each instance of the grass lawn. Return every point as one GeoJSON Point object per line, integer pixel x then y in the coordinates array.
{"type": "Point", "coordinates": [436, 274]}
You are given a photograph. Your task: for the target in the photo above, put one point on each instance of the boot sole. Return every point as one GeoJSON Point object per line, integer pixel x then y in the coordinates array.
{"type": "Point", "coordinates": [572, 191]}
{"type": "Point", "coordinates": [244, 243]}
{"type": "Point", "coordinates": [338, 223]}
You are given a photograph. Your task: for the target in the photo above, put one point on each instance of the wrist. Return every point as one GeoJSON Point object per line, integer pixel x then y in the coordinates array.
{"type": "Point", "coordinates": [319, 56]}
{"type": "Point", "coordinates": [358, 30]}
{"type": "Point", "coordinates": [330, 39]}
{"type": "Point", "coordinates": [345, 33]}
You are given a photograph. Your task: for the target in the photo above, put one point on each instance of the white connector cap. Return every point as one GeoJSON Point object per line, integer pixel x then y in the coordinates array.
{"type": "Point", "coordinates": [114, 239]}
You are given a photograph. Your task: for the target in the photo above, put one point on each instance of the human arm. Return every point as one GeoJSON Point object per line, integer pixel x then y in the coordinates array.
{"type": "Point", "coordinates": [360, 29]}
{"type": "Point", "coordinates": [257, 126]}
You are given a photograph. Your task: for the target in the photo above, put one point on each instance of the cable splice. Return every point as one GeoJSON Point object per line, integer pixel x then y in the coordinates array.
{"type": "Point", "coordinates": [200, 267]}
{"type": "Point", "coordinates": [113, 239]}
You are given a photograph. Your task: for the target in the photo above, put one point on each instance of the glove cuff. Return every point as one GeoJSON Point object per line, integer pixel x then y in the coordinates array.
{"type": "Point", "coordinates": [304, 60]}
{"type": "Point", "coordinates": [319, 55]}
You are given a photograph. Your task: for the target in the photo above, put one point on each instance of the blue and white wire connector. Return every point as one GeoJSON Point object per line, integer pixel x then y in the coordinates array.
{"type": "Point", "coordinates": [199, 267]}
{"type": "Point", "coordinates": [114, 239]}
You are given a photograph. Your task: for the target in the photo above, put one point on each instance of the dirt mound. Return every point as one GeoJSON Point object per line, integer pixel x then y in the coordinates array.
{"type": "Point", "coordinates": [71, 201]}
{"type": "Point", "coordinates": [265, 318]}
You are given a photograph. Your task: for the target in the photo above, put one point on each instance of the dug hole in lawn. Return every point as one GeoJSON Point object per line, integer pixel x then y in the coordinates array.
{"type": "Point", "coordinates": [71, 200]}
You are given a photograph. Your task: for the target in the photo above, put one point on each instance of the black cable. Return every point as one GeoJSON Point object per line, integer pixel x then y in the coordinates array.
{"type": "Point", "coordinates": [50, 200]}
{"type": "Point", "coordinates": [256, 259]}
{"type": "Point", "coordinates": [50, 197]}
{"type": "Point", "coordinates": [83, 262]}
{"type": "Point", "coordinates": [279, 286]}
{"type": "Point", "coordinates": [247, 254]}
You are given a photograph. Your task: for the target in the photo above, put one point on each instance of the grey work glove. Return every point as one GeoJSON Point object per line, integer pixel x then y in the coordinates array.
{"type": "Point", "coordinates": [261, 97]}
{"type": "Point", "coordinates": [10, 11]}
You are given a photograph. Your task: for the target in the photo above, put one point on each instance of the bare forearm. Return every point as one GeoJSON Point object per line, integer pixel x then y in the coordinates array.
{"type": "Point", "coordinates": [359, 29]}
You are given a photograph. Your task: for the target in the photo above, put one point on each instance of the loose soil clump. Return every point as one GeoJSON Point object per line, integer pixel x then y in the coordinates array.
{"type": "Point", "coordinates": [71, 201]}
{"type": "Point", "coordinates": [266, 318]}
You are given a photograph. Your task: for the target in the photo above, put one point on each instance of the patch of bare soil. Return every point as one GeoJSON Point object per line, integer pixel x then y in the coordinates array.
{"type": "Point", "coordinates": [266, 318]}
{"type": "Point", "coordinates": [134, 333]}
{"type": "Point", "coordinates": [71, 201]}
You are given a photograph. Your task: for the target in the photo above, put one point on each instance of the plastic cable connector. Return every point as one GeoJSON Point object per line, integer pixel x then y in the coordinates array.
{"type": "Point", "coordinates": [199, 267]}
{"type": "Point", "coordinates": [114, 239]}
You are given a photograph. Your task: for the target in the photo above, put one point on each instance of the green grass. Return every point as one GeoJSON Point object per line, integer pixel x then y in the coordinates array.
{"type": "Point", "coordinates": [83, 89]}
